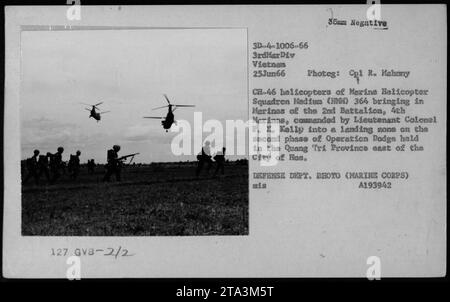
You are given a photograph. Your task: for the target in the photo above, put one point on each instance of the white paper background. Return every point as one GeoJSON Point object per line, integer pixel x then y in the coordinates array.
{"type": "Point", "coordinates": [297, 229]}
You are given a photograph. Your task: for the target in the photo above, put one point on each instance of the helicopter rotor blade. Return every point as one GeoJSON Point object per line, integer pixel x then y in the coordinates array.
{"type": "Point", "coordinates": [184, 105]}
{"type": "Point", "coordinates": [160, 107]}
{"type": "Point", "coordinates": [167, 99]}
{"type": "Point", "coordinates": [105, 112]}
{"type": "Point", "coordinates": [87, 109]}
{"type": "Point", "coordinates": [154, 117]}
{"type": "Point", "coordinates": [86, 104]}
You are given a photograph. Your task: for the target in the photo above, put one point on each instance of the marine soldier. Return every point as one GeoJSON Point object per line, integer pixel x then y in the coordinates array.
{"type": "Point", "coordinates": [91, 166]}
{"type": "Point", "coordinates": [204, 157]}
{"type": "Point", "coordinates": [74, 165]}
{"type": "Point", "coordinates": [56, 164]}
{"type": "Point", "coordinates": [220, 161]}
{"type": "Point", "coordinates": [114, 165]}
{"type": "Point", "coordinates": [32, 167]}
{"type": "Point", "coordinates": [63, 167]}
{"type": "Point", "coordinates": [43, 165]}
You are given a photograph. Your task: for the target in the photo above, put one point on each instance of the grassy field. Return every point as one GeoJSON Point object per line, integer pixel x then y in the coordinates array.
{"type": "Point", "coordinates": [156, 200]}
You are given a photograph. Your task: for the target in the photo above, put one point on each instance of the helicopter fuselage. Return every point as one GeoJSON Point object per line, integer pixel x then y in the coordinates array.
{"type": "Point", "coordinates": [168, 121]}
{"type": "Point", "coordinates": [95, 115]}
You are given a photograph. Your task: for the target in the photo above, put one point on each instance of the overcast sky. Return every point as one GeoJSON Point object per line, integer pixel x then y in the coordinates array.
{"type": "Point", "coordinates": [129, 70]}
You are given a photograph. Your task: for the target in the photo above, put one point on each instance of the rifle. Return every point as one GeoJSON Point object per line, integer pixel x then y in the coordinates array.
{"type": "Point", "coordinates": [126, 156]}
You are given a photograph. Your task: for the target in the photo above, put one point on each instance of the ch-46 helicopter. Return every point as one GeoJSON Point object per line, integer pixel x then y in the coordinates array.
{"type": "Point", "coordinates": [96, 115]}
{"type": "Point", "coordinates": [169, 119]}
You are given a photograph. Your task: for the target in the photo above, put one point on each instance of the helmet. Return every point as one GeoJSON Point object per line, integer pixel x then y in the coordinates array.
{"type": "Point", "coordinates": [60, 149]}
{"type": "Point", "coordinates": [36, 152]}
{"type": "Point", "coordinates": [78, 152]}
{"type": "Point", "coordinates": [116, 148]}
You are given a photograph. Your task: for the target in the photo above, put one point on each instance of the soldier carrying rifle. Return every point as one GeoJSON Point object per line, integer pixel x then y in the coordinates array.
{"type": "Point", "coordinates": [114, 165]}
{"type": "Point", "coordinates": [56, 164]}
{"type": "Point", "coordinates": [204, 157]}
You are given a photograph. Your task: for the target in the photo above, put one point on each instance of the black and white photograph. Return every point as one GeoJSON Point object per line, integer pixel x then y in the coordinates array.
{"type": "Point", "coordinates": [98, 109]}
{"type": "Point", "coordinates": [225, 142]}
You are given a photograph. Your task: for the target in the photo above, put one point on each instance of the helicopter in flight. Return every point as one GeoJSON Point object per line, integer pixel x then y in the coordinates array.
{"type": "Point", "coordinates": [169, 119]}
{"type": "Point", "coordinates": [96, 115]}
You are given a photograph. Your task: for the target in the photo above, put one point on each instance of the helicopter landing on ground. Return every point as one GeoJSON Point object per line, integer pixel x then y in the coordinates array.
{"type": "Point", "coordinates": [169, 119]}
{"type": "Point", "coordinates": [94, 114]}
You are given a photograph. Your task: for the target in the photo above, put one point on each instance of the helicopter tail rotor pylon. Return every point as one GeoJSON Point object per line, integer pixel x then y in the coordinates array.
{"type": "Point", "coordinates": [167, 99]}
{"type": "Point", "coordinates": [172, 105]}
